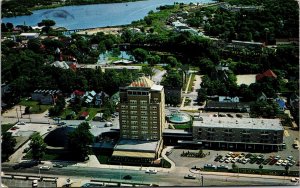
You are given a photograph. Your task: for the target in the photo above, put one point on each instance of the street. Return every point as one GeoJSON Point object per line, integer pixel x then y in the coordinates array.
{"type": "Point", "coordinates": [163, 178]}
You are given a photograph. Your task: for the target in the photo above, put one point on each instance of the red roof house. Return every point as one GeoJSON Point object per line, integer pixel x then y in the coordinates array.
{"type": "Point", "coordinates": [269, 73]}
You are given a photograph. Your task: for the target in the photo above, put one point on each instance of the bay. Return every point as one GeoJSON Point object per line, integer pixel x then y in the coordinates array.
{"type": "Point", "coordinates": [96, 15]}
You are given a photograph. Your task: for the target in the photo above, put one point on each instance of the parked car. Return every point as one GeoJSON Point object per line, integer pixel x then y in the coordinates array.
{"type": "Point", "coordinates": [21, 123]}
{"type": "Point", "coordinates": [222, 167]}
{"type": "Point", "coordinates": [221, 160]}
{"type": "Point", "coordinates": [190, 176]}
{"type": "Point", "coordinates": [273, 162]}
{"type": "Point", "coordinates": [279, 162]}
{"type": "Point", "coordinates": [44, 167]}
{"type": "Point", "coordinates": [210, 166]}
{"type": "Point", "coordinates": [34, 183]}
{"type": "Point", "coordinates": [239, 115]}
{"type": "Point", "coordinates": [229, 115]}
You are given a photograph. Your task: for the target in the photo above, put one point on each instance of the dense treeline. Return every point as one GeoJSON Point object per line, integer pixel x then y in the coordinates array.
{"type": "Point", "coordinates": [29, 68]}
{"type": "Point", "coordinates": [24, 7]}
{"type": "Point", "coordinates": [277, 19]}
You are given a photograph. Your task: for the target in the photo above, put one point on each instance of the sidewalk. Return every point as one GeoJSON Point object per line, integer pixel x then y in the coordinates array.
{"type": "Point", "coordinates": [240, 175]}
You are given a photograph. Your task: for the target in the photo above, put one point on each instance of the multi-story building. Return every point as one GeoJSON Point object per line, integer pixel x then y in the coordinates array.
{"type": "Point", "coordinates": [142, 120]}
{"type": "Point", "coordinates": [238, 133]}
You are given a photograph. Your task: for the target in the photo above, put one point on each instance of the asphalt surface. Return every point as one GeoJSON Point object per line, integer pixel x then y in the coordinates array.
{"type": "Point", "coordinates": [173, 178]}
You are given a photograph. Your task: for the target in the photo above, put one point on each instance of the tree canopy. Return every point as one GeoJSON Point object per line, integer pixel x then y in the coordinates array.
{"type": "Point", "coordinates": [79, 141]}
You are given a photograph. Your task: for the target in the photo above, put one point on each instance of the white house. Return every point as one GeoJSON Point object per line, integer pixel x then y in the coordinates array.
{"type": "Point", "coordinates": [229, 99]}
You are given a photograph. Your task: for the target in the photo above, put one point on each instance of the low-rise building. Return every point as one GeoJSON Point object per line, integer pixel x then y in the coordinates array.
{"type": "Point", "coordinates": [45, 96]}
{"type": "Point", "coordinates": [238, 133]}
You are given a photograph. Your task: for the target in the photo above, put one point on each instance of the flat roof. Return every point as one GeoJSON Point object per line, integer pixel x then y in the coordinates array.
{"type": "Point", "coordinates": [136, 145]}
{"type": "Point", "coordinates": [157, 87]}
{"type": "Point", "coordinates": [239, 123]}
{"type": "Point", "coordinates": [175, 131]}
{"type": "Point", "coordinates": [133, 154]}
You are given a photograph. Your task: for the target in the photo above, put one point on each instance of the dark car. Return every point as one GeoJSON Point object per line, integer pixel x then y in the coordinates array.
{"type": "Point", "coordinates": [127, 177]}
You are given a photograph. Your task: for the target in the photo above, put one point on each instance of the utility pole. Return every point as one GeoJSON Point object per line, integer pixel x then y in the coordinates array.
{"type": "Point", "coordinates": [21, 112]}
{"type": "Point", "coordinates": [17, 114]}
{"type": "Point", "coordinates": [202, 180]}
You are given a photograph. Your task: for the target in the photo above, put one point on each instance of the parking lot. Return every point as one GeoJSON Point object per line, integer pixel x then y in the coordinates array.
{"type": "Point", "coordinates": [25, 183]}
{"type": "Point", "coordinates": [253, 159]}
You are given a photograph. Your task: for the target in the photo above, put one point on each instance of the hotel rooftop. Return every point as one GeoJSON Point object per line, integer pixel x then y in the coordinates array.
{"type": "Point", "coordinates": [238, 123]}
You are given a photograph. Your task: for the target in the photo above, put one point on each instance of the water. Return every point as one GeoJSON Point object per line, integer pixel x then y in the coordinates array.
{"type": "Point", "coordinates": [99, 15]}
{"type": "Point", "coordinates": [180, 118]}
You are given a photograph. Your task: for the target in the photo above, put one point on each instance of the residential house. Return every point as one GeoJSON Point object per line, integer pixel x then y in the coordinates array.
{"type": "Point", "coordinates": [84, 115]}
{"type": "Point", "coordinates": [98, 117]}
{"type": "Point", "coordinates": [281, 104]}
{"type": "Point", "coordinates": [29, 35]}
{"type": "Point", "coordinates": [262, 97]}
{"type": "Point", "coordinates": [269, 73]}
{"type": "Point", "coordinates": [229, 99]}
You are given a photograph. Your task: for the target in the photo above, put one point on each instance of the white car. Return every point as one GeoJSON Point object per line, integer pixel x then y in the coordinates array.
{"type": "Point", "coordinates": [279, 162]}
{"type": "Point", "coordinates": [151, 171]}
{"type": "Point", "coordinates": [294, 179]}
{"type": "Point", "coordinates": [44, 167]}
{"type": "Point", "coordinates": [34, 183]}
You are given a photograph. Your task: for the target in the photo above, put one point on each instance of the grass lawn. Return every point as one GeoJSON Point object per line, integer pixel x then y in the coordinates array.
{"type": "Point", "coordinates": [103, 159]}
{"type": "Point", "coordinates": [35, 107]}
{"type": "Point", "coordinates": [191, 83]}
{"type": "Point", "coordinates": [92, 112]}
{"type": "Point", "coordinates": [66, 112]}
{"type": "Point", "coordinates": [6, 127]}
{"type": "Point", "coordinates": [185, 126]}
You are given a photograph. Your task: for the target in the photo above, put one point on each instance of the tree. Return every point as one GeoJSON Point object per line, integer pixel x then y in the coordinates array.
{"type": "Point", "coordinates": [261, 167]}
{"type": "Point", "coordinates": [34, 45]}
{"type": "Point", "coordinates": [79, 141]}
{"type": "Point", "coordinates": [37, 146]}
{"type": "Point", "coordinates": [47, 23]}
{"type": "Point", "coordinates": [7, 145]}
{"type": "Point", "coordinates": [140, 54]}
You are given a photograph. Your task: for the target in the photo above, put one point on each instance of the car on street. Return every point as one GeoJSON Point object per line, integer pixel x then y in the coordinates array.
{"type": "Point", "coordinates": [150, 171]}
{"type": "Point", "coordinates": [44, 167]}
{"type": "Point", "coordinates": [58, 165]}
{"type": "Point", "coordinates": [190, 176]}
{"type": "Point", "coordinates": [21, 123]}
{"type": "Point", "coordinates": [295, 180]}
{"type": "Point", "coordinates": [127, 177]}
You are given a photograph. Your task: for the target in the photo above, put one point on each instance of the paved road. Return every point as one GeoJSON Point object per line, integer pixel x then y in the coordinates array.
{"type": "Point", "coordinates": [173, 178]}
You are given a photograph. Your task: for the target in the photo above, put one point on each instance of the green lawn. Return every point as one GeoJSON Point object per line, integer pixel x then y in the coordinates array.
{"type": "Point", "coordinates": [35, 107]}
{"type": "Point", "coordinates": [6, 127]}
{"type": "Point", "coordinates": [191, 83]}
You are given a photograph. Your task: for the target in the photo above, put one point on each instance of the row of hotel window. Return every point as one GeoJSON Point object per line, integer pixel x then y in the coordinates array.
{"type": "Point", "coordinates": [143, 123]}
{"type": "Point", "coordinates": [231, 131]}
{"type": "Point", "coordinates": [141, 113]}
{"type": "Point", "coordinates": [125, 127]}
{"type": "Point", "coordinates": [142, 102]}
{"type": "Point", "coordinates": [126, 135]}
{"type": "Point", "coordinates": [140, 107]}
{"type": "Point", "coordinates": [242, 139]}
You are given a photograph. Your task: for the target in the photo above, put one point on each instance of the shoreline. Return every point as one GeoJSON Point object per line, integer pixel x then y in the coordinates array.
{"type": "Point", "coordinates": [105, 30]}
